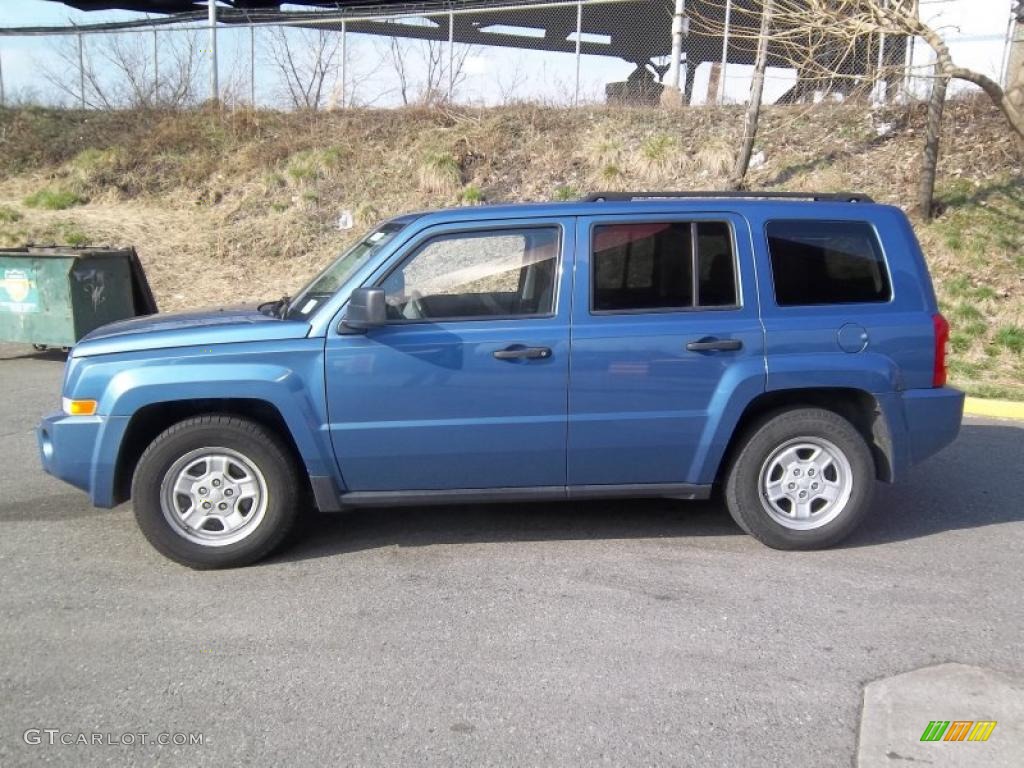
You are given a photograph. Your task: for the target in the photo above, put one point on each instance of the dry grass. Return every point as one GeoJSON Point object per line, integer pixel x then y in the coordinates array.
{"type": "Point", "coordinates": [242, 206]}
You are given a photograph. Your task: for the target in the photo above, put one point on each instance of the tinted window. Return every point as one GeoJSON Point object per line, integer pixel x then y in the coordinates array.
{"type": "Point", "coordinates": [640, 266]}
{"type": "Point", "coordinates": [826, 262]}
{"type": "Point", "coordinates": [477, 274]}
{"type": "Point", "coordinates": [716, 265]}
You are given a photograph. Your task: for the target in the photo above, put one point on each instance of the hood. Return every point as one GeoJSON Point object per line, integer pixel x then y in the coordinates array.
{"type": "Point", "coordinates": [186, 329]}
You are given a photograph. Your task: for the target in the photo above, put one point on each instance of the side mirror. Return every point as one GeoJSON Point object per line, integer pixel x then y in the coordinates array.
{"type": "Point", "coordinates": [366, 310]}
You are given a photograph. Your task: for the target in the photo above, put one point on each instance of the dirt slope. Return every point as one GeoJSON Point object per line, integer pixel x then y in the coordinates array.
{"type": "Point", "coordinates": [244, 206]}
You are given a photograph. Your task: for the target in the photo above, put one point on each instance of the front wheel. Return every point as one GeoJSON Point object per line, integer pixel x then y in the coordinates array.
{"type": "Point", "coordinates": [215, 491]}
{"type": "Point", "coordinates": [803, 479]}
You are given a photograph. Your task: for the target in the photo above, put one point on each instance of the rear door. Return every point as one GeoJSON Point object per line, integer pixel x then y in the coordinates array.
{"type": "Point", "coordinates": [664, 308]}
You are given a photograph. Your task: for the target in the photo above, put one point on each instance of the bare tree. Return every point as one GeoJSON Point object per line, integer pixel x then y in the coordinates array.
{"type": "Point", "coordinates": [424, 69]}
{"type": "Point", "coordinates": [72, 73]}
{"type": "Point", "coordinates": [830, 40]}
{"type": "Point", "coordinates": [119, 71]}
{"type": "Point", "coordinates": [509, 80]}
{"type": "Point", "coordinates": [932, 133]}
{"type": "Point", "coordinates": [756, 92]}
{"type": "Point", "coordinates": [308, 61]}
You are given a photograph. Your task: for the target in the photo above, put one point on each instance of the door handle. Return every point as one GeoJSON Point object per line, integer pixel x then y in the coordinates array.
{"type": "Point", "coordinates": [711, 344]}
{"type": "Point", "coordinates": [522, 352]}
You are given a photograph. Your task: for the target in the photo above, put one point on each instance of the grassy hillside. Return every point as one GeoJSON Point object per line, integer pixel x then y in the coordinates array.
{"type": "Point", "coordinates": [243, 206]}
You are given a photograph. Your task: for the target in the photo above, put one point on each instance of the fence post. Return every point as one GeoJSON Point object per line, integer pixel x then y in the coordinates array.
{"type": "Point", "coordinates": [81, 72]}
{"type": "Point", "coordinates": [214, 84]}
{"type": "Point", "coordinates": [3, 95]}
{"type": "Point", "coordinates": [579, 39]}
{"type": "Point", "coordinates": [451, 55]}
{"type": "Point", "coordinates": [720, 96]}
{"type": "Point", "coordinates": [675, 63]}
{"type": "Point", "coordinates": [156, 69]}
{"type": "Point", "coordinates": [1007, 41]}
{"type": "Point", "coordinates": [344, 63]}
{"type": "Point", "coordinates": [252, 66]}
{"type": "Point", "coordinates": [881, 83]}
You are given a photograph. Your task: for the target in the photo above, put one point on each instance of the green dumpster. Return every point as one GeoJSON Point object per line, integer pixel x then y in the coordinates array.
{"type": "Point", "coordinates": [53, 296]}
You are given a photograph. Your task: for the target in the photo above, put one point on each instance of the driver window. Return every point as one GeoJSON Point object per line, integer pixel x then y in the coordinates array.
{"type": "Point", "coordinates": [502, 273]}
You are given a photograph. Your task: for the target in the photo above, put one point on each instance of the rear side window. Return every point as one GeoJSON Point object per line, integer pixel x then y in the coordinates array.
{"type": "Point", "coordinates": [662, 266]}
{"type": "Point", "coordinates": [826, 262]}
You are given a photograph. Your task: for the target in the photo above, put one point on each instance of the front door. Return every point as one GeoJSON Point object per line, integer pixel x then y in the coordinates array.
{"type": "Point", "coordinates": [465, 387]}
{"type": "Point", "coordinates": [663, 329]}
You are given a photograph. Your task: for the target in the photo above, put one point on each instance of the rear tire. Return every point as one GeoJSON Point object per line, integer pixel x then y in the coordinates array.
{"type": "Point", "coordinates": [216, 491]}
{"type": "Point", "coordinates": [803, 479]}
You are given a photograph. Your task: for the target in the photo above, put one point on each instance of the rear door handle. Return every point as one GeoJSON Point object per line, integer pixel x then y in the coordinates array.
{"type": "Point", "coordinates": [522, 352]}
{"type": "Point", "coordinates": [711, 344]}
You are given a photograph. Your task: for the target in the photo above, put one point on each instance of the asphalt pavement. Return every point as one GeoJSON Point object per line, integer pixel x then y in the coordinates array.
{"type": "Point", "coordinates": [619, 633]}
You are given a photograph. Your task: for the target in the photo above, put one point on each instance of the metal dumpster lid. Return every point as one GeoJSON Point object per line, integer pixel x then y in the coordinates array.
{"type": "Point", "coordinates": [65, 251]}
{"type": "Point", "coordinates": [142, 294]}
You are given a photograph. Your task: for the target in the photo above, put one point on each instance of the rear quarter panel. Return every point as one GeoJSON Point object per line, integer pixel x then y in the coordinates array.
{"type": "Point", "coordinates": [802, 342]}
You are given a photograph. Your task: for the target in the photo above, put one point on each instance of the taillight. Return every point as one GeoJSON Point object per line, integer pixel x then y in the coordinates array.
{"type": "Point", "coordinates": [941, 327]}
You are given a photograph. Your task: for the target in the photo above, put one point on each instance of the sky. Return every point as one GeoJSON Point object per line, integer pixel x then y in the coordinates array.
{"type": "Point", "coordinates": [976, 29]}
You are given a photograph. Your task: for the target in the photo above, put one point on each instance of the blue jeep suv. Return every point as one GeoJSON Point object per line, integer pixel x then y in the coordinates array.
{"type": "Point", "coordinates": [788, 352]}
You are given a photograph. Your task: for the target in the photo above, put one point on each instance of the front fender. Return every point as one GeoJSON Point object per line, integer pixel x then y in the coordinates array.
{"type": "Point", "coordinates": [292, 384]}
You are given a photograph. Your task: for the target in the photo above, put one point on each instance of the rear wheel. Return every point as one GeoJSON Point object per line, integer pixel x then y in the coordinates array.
{"type": "Point", "coordinates": [803, 479]}
{"type": "Point", "coordinates": [215, 491]}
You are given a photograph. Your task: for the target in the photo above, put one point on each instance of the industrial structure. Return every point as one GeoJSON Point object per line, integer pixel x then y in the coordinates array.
{"type": "Point", "coordinates": [656, 36]}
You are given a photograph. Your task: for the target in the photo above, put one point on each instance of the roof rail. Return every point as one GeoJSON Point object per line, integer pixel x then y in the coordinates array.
{"type": "Point", "coordinates": [839, 197]}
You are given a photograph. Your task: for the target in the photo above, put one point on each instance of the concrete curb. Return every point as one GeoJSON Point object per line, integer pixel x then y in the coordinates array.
{"type": "Point", "coordinates": [898, 710]}
{"type": "Point", "coordinates": [994, 409]}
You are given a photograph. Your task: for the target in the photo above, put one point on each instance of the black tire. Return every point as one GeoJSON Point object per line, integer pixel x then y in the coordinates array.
{"type": "Point", "coordinates": [253, 442]}
{"type": "Point", "coordinates": [750, 509]}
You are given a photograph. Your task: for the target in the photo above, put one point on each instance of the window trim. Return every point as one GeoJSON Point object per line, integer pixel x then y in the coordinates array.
{"type": "Point", "coordinates": [415, 248]}
{"type": "Point", "coordinates": [694, 265]}
{"type": "Point", "coordinates": [879, 241]}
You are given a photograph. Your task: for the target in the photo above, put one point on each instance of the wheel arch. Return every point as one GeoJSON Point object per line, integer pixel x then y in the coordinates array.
{"type": "Point", "coordinates": [862, 409]}
{"type": "Point", "coordinates": [150, 420]}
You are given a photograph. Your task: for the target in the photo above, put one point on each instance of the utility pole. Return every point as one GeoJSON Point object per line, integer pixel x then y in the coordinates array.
{"type": "Point", "coordinates": [211, 6]}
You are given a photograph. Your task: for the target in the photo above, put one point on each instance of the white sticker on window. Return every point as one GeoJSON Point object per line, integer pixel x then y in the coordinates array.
{"type": "Point", "coordinates": [308, 306]}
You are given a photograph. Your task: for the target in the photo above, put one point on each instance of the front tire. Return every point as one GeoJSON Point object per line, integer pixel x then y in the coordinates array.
{"type": "Point", "coordinates": [216, 491]}
{"type": "Point", "coordinates": [803, 479]}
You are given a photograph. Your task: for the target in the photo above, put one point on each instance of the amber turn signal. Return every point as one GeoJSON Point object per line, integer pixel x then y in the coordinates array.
{"type": "Point", "coordinates": [79, 407]}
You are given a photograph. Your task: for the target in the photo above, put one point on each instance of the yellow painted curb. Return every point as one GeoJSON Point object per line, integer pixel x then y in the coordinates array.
{"type": "Point", "coordinates": [995, 409]}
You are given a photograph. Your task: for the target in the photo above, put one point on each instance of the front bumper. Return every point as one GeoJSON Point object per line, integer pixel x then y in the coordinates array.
{"type": "Point", "coordinates": [67, 446]}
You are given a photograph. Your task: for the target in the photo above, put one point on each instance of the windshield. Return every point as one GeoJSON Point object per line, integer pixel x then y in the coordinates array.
{"type": "Point", "coordinates": [331, 279]}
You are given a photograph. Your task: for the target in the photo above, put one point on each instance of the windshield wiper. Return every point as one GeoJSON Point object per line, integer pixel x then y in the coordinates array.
{"type": "Point", "coordinates": [276, 308]}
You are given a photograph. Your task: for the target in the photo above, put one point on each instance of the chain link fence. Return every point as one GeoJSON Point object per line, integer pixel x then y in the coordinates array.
{"type": "Point", "coordinates": [554, 53]}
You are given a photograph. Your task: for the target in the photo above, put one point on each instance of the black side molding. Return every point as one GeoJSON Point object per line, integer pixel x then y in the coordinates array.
{"type": "Point", "coordinates": [537, 493]}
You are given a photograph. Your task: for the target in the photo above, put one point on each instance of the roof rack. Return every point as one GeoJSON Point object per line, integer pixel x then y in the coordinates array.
{"type": "Point", "coordinates": [838, 197]}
